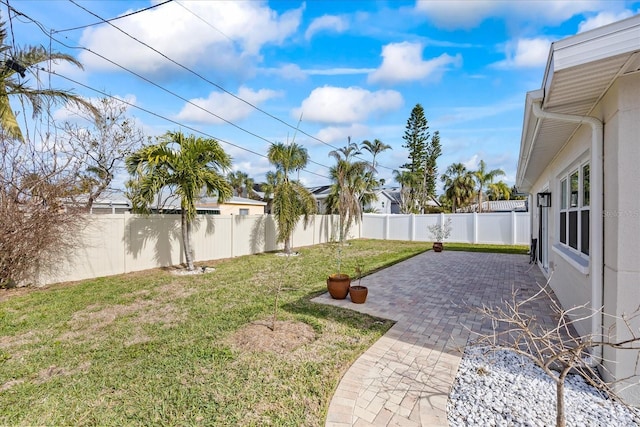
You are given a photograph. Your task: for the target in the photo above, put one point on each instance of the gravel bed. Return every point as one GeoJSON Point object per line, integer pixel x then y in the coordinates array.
{"type": "Point", "coordinates": [502, 388]}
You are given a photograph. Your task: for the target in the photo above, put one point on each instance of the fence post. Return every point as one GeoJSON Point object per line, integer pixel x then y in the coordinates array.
{"type": "Point", "coordinates": [514, 228]}
{"type": "Point", "coordinates": [126, 227]}
{"type": "Point", "coordinates": [231, 240]}
{"type": "Point", "coordinates": [386, 227]}
{"type": "Point", "coordinates": [412, 228]}
{"type": "Point", "coordinates": [475, 227]}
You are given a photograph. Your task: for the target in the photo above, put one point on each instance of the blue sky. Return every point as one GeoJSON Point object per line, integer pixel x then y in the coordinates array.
{"type": "Point", "coordinates": [347, 68]}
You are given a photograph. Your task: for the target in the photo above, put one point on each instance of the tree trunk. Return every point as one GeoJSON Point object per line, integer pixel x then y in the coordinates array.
{"type": "Point", "coordinates": [287, 245]}
{"type": "Point", "coordinates": [186, 240]}
{"type": "Point", "coordinates": [560, 421]}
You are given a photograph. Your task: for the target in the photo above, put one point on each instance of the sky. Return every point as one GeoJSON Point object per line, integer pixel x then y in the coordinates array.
{"type": "Point", "coordinates": [252, 73]}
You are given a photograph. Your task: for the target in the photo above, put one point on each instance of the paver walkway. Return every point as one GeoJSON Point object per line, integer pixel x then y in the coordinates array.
{"type": "Point", "coordinates": [404, 379]}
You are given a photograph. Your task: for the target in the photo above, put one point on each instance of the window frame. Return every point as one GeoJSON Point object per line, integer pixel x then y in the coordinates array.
{"type": "Point", "coordinates": [574, 212]}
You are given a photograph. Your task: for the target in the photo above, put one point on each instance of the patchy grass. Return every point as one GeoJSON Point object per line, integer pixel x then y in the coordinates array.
{"type": "Point", "coordinates": [155, 348]}
{"type": "Point", "coordinates": [502, 249]}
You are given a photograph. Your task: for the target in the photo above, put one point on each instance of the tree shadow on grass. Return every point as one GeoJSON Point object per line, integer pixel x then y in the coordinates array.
{"type": "Point", "coordinates": [311, 312]}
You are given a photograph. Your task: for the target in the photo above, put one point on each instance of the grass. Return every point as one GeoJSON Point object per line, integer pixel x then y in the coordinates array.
{"type": "Point", "coordinates": [501, 249]}
{"type": "Point", "coordinates": [151, 348]}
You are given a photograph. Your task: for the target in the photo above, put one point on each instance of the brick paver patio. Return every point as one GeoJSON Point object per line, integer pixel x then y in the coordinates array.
{"type": "Point", "coordinates": [404, 379]}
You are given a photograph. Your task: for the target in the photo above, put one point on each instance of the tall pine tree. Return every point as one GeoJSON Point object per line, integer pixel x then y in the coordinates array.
{"type": "Point", "coordinates": [424, 151]}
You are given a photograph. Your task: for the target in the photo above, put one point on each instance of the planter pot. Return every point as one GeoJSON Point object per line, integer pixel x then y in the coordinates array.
{"type": "Point", "coordinates": [338, 285]}
{"type": "Point", "coordinates": [437, 246]}
{"type": "Point", "coordinates": [358, 294]}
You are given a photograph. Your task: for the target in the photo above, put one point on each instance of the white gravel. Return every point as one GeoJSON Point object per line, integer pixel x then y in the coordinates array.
{"type": "Point", "coordinates": [504, 389]}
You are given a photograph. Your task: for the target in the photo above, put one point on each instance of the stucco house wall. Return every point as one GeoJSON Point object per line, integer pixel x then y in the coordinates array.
{"type": "Point", "coordinates": [571, 286]}
{"type": "Point", "coordinates": [622, 219]}
{"type": "Point", "coordinates": [595, 74]}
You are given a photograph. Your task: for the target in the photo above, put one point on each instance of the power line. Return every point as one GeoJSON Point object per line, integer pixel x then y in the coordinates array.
{"type": "Point", "coordinates": [160, 116]}
{"type": "Point", "coordinates": [211, 82]}
{"type": "Point", "coordinates": [206, 22]}
{"type": "Point", "coordinates": [116, 18]}
{"type": "Point", "coordinates": [41, 27]}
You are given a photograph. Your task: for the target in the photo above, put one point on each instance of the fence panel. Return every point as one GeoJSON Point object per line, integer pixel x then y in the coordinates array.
{"type": "Point", "coordinates": [495, 227]}
{"type": "Point", "coordinates": [374, 226]}
{"type": "Point", "coordinates": [399, 227]}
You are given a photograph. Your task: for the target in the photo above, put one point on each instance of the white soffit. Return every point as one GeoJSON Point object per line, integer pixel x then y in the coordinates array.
{"type": "Point", "coordinates": [580, 71]}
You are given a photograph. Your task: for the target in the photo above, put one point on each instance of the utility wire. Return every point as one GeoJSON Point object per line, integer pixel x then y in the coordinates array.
{"type": "Point", "coordinates": [41, 27]}
{"type": "Point", "coordinates": [114, 19]}
{"type": "Point", "coordinates": [204, 21]}
{"type": "Point", "coordinates": [160, 116]}
{"type": "Point", "coordinates": [211, 82]}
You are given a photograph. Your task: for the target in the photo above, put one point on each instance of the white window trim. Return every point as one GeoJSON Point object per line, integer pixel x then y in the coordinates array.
{"type": "Point", "coordinates": [573, 256]}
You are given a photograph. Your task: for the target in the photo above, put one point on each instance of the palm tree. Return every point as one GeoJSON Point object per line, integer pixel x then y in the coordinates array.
{"type": "Point", "coordinates": [459, 185]}
{"type": "Point", "coordinates": [483, 178]}
{"type": "Point", "coordinates": [13, 73]}
{"type": "Point", "coordinates": [242, 184]}
{"type": "Point", "coordinates": [290, 198]}
{"type": "Point", "coordinates": [499, 191]}
{"type": "Point", "coordinates": [408, 182]}
{"type": "Point", "coordinates": [186, 164]}
{"type": "Point", "coordinates": [351, 186]}
{"type": "Point", "coordinates": [376, 147]}
{"type": "Point", "coordinates": [269, 187]}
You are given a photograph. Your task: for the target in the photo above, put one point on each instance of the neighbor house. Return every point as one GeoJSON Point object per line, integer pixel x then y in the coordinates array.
{"type": "Point", "coordinates": [233, 206]}
{"type": "Point", "coordinates": [580, 164]}
{"type": "Point", "coordinates": [210, 206]}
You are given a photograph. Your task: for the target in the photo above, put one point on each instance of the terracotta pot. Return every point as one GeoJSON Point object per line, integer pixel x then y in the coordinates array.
{"type": "Point", "coordinates": [338, 285]}
{"type": "Point", "coordinates": [358, 294]}
{"type": "Point", "coordinates": [437, 246]}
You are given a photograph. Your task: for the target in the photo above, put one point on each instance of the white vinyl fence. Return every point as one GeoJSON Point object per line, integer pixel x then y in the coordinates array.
{"type": "Point", "coordinates": [122, 243]}
{"type": "Point", "coordinates": [504, 228]}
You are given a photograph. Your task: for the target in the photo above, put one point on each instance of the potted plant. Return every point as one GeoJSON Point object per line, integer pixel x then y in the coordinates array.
{"type": "Point", "coordinates": [439, 233]}
{"type": "Point", "coordinates": [338, 283]}
{"type": "Point", "coordinates": [358, 293]}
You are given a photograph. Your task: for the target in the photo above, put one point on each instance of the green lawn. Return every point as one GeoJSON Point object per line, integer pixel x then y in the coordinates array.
{"type": "Point", "coordinates": [502, 249]}
{"type": "Point", "coordinates": [152, 348]}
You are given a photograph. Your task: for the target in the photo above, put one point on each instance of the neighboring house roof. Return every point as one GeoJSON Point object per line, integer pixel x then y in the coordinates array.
{"type": "Point", "coordinates": [498, 206]}
{"type": "Point", "coordinates": [579, 71]}
{"type": "Point", "coordinates": [213, 201]}
{"type": "Point", "coordinates": [320, 192]}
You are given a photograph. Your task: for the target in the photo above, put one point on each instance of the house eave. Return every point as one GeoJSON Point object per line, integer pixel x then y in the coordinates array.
{"type": "Point", "coordinates": [579, 72]}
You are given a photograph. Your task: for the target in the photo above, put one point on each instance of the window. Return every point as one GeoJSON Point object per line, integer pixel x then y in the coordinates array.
{"type": "Point", "coordinates": [574, 209]}
{"type": "Point", "coordinates": [244, 211]}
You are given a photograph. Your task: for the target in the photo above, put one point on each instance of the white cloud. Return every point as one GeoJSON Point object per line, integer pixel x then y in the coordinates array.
{"type": "Point", "coordinates": [472, 163]}
{"type": "Point", "coordinates": [525, 53]}
{"type": "Point", "coordinates": [211, 34]}
{"type": "Point", "coordinates": [467, 114]}
{"type": "Point", "coordinates": [329, 104]}
{"type": "Point", "coordinates": [402, 62]}
{"type": "Point", "coordinates": [294, 72]}
{"type": "Point", "coordinates": [72, 112]}
{"type": "Point", "coordinates": [465, 14]}
{"type": "Point", "coordinates": [332, 23]}
{"type": "Point", "coordinates": [455, 14]}
{"type": "Point", "coordinates": [224, 105]}
{"type": "Point", "coordinates": [603, 18]}
{"type": "Point", "coordinates": [337, 135]}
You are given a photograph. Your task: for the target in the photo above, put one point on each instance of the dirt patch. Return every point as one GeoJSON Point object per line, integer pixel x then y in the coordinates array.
{"type": "Point", "coordinates": [48, 373]}
{"type": "Point", "coordinates": [287, 336]}
{"type": "Point", "coordinates": [9, 342]}
{"type": "Point", "coordinates": [87, 324]}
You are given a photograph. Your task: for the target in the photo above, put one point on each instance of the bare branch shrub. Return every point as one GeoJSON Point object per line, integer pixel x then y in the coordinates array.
{"type": "Point", "coordinates": [36, 229]}
{"type": "Point", "coordinates": [557, 348]}
{"type": "Point", "coordinates": [101, 143]}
